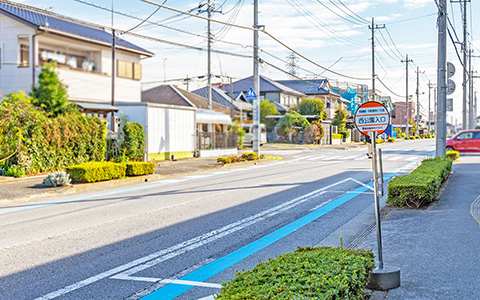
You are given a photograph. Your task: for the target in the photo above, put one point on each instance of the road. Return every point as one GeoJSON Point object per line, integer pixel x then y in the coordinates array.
{"type": "Point", "coordinates": [180, 238]}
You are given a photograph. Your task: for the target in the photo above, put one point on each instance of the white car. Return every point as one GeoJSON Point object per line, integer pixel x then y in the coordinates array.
{"type": "Point", "coordinates": [248, 138]}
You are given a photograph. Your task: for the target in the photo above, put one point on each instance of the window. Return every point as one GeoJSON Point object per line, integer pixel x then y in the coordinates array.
{"type": "Point", "coordinates": [465, 136]}
{"type": "Point", "coordinates": [24, 51]}
{"type": "Point", "coordinates": [129, 70]}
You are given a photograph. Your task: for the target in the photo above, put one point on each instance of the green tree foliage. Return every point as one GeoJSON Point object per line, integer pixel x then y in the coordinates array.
{"type": "Point", "coordinates": [133, 140]}
{"type": "Point", "coordinates": [42, 144]}
{"type": "Point", "coordinates": [267, 108]}
{"type": "Point", "coordinates": [340, 119]}
{"type": "Point", "coordinates": [309, 106]}
{"type": "Point", "coordinates": [288, 121]}
{"type": "Point", "coordinates": [50, 93]}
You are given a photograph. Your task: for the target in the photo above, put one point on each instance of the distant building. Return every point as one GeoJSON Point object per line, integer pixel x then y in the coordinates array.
{"type": "Point", "coordinates": [398, 113]}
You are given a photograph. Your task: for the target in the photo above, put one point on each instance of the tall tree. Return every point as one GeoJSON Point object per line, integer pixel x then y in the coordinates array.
{"type": "Point", "coordinates": [267, 108]}
{"type": "Point", "coordinates": [50, 93]}
{"type": "Point", "coordinates": [340, 119]}
{"type": "Point", "coordinates": [290, 119]}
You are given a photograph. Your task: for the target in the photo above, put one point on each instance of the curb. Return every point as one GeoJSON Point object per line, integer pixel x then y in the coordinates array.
{"type": "Point", "coordinates": [80, 187]}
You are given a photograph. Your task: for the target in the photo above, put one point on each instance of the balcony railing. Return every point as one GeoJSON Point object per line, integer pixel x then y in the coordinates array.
{"type": "Point", "coordinates": [216, 140]}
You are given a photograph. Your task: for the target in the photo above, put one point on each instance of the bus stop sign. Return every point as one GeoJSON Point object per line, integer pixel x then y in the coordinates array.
{"type": "Point", "coordinates": [372, 117]}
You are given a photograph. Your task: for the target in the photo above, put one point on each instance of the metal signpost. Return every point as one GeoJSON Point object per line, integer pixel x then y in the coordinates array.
{"type": "Point", "coordinates": [251, 95]}
{"type": "Point", "coordinates": [372, 119]}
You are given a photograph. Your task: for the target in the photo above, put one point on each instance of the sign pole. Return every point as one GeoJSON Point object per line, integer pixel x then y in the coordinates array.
{"type": "Point", "coordinates": [372, 119]}
{"type": "Point", "coordinates": [373, 136]}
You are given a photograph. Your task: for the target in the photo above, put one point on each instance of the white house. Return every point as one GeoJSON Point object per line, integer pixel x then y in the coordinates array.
{"type": "Point", "coordinates": [30, 37]}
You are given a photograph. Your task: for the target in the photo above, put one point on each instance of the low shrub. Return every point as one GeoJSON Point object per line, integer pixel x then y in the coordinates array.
{"type": "Point", "coordinates": [428, 136]}
{"type": "Point", "coordinates": [403, 135]}
{"type": "Point", "coordinates": [453, 155]}
{"type": "Point", "coordinates": [391, 139]}
{"type": "Point", "coordinates": [379, 141]}
{"type": "Point", "coordinates": [411, 137]}
{"type": "Point", "coordinates": [422, 136]}
{"type": "Point", "coordinates": [421, 186]}
{"type": "Point", "coordinates": [307, 273]}
{"type": "Point", "coordinates": [96, 171]}
{"type": "Point", "coordinates": [337, 136]}
{"type": "Point", "coordinates": [57, 179]}
{"type": "Point", "coordinates": [345, 134]}
{"type": "Point", "coordinates": [224, 160]}
{"type": "Point", "coordinates": [14, 171]}
{"type": "Point", "coordinates": [139, 168]}
{"type": "Point", "coordinates": [252, 156]}
{"type": "Point", "coordinates": [417, 137]}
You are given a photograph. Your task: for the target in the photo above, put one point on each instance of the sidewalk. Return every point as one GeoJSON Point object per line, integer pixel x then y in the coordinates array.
{"type": "Point", "coordinates": [437, 249]}
{"type": "Point", "coordinates": [14, 189]}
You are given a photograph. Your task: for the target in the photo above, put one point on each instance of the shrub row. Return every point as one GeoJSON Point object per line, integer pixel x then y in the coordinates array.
{"type": "Point", "coordinates": [337, 136]}
{"type": "Point", "coordinates": [453, 155]}
{"type": "Point", "coordinates": [244, 157]}
{"type": "Point", "coordinates": [307, 273]}
{"type": "Point", "coordinates": [99, 171]}
{"type": "Point", "coordinates": [421, 186]}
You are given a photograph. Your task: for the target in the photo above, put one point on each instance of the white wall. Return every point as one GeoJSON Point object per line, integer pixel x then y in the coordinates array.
{"type": "Point", "coordinates": [12, 77]}
{"type": "Point", "coordinates": [168, 129]}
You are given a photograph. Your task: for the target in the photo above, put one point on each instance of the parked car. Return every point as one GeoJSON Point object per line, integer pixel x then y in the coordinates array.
{"type": "Point", "coordinates": [465, 141]}
{"type": "Point", "coordinates": [248, 138]}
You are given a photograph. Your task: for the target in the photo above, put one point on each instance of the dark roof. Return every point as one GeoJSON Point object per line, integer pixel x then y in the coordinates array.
{"type": "Point", "coordinates": [43, 20]}
{"type": "Point", "coordinates": [165, 94]}
{"type": "Point", "coordinates": [310, 86]}
{"type": "Point", "coordinates": [220, 96]}
{"type": "Point", "coordinates": [266, 85]}
{"type": "Point", "coordinates": [201, 102]}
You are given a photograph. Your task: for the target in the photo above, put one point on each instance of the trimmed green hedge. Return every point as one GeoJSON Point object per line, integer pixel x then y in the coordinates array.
{"type": "Point", "coordinates": [421, 186]}
{"type": "Point", "coordinates": [139, 168]}
{"type": "Point", "coordinates": [96, 171]}
{"type": "Point", "coordinates": [307, 273]}
{"type": "Point", "coordinates": [453, 155]}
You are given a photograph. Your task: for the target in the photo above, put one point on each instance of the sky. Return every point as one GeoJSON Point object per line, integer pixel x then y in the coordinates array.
{"type": "Point", "coordinates": [333, 33]}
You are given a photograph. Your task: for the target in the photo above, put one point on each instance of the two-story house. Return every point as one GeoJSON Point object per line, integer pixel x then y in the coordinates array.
{"type": "Point", "coordinates": [30, 37]}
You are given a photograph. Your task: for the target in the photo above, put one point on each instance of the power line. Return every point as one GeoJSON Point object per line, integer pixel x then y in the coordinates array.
{"type": "Point", "coordinates": [411, 19]}
{"type": "Point", "coordinates": [263, 31]}
{"type": "Point", "coordinates": [356, 22]}
{"type": "Point", "coordinates": [358, 17]}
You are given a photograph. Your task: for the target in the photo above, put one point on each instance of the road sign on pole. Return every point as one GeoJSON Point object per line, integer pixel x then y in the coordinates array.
{"type": "Point", "coordinates": [372, 117]}
{"type": "Point", "coordinates": [251, 95]}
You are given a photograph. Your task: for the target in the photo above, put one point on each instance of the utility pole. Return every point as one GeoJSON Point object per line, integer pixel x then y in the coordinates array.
{"type": "Point", "coordinates": [435, 103]}
{"type": "Point", "coordinates": [256, 82]}
{"type": "Point", "coordinates": [407, 110]}
{"type": "Point", "coordinates": [164, 70]}
{"type": "Point", "coordinates": [418, 101]}
{"type": "Point", "coordinates": [471, 122]}
{"type": "Point", "coordinates": [209, 48]}
{"type": "Point", "coordinates": [430, 86]}
{"type": "Point", "coordinates": [112, 120]}
{"type": "Point", "coordinates": [464, 46]}
{"type": "Point", "coordinates": [441, 121]}
{"type": "Point", "coordinates": [373, 27]}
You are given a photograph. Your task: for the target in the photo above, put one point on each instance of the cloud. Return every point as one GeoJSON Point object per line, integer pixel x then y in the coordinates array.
{"type": "Point", "coordinates": [416, 3]}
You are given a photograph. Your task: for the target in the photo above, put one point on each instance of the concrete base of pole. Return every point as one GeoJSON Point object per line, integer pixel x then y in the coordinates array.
{"type": "Point", "coordinates": [384, 279]}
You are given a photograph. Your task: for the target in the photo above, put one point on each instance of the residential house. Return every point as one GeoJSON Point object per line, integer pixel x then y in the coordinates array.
{"type": "Point", "coordinates": [177, 124]}
{"type": "Point", "coordinates": [269, 89]}
{"type": "Point", "coordinates": [30, 37]}
{"type": "Point", "coordinates": [318, 89]}
{"type": "Point", "coordinates": [221, 97]}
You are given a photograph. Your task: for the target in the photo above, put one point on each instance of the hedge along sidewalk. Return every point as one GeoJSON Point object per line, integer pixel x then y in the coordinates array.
{"type": "Point", "coordinates": [421, 186]}
{"type": "Point", "coordinates": [307, 273]}
{"type": "Point", "coordinates": [100, 171]}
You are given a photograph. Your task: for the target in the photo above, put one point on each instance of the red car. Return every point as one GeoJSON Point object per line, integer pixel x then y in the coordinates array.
{"type": "Point", "coordinates": [465, 141]}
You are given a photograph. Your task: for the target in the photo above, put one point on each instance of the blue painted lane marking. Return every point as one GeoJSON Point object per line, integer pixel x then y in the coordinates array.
{"type": "Point", "coordinates": [171, 291]}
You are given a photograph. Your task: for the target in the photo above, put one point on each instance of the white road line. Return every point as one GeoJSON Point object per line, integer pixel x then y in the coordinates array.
{"type": "Point", "coordinates": [393, 158]}
{"type": "Point", "coordinates": [207, 298]}
{"type": "Point", "coordinates": [331, 157]}
{"type": "Point", "coordinates": [315, 158]}
{"type": "Point", "coordinates": [175, 250]}
{"type": "Point", "coordinates": [361, 183]}
{"type": "Point", "coordinates": [176, 281]}
{"type": "Point", "coordinates": [411, 158]}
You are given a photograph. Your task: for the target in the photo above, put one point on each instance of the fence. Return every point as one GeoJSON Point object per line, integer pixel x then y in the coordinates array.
{"type": "Point", "coordinates": [216, 140]}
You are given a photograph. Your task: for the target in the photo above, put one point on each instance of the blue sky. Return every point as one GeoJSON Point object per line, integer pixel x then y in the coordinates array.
{"type": "Point", "coordinates": [332, 33]}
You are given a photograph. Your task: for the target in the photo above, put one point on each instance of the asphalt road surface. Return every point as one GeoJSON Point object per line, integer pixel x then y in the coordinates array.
{"type": "Point", "coordinates": [180, 238]}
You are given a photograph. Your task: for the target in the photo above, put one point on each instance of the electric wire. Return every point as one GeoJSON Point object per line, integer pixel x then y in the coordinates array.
{"type": "Point", "coordinates": [266, 33]}
{"type": "Point", "coordinates": [146, 19]}
{"type": "Point", "coordinates": [354, 21]}
{"type": "Point", "coordinates": [358, 17]}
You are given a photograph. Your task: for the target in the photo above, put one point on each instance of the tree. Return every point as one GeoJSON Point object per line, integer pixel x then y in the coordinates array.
{"type": "Point", "coordinates": [50, 93]}
{"type": "Point", "coordinates": [290, 119]}
{"type": "Point", "coordinates": [340, 119]}
{"type": "Point", "coordinates": [309, 106]}
{"type": "Point", "coordinates": [267, 108]}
